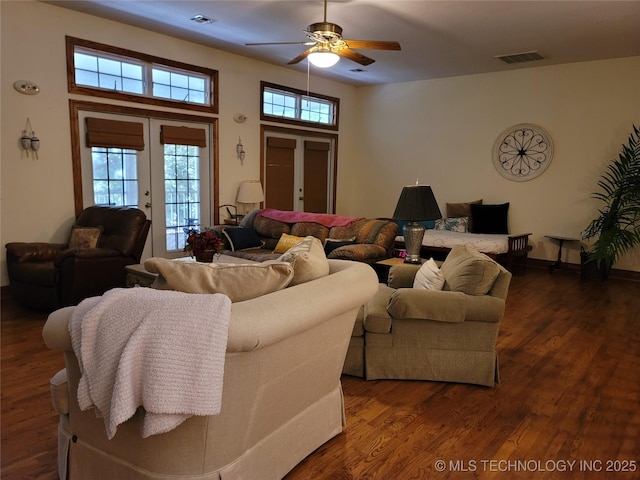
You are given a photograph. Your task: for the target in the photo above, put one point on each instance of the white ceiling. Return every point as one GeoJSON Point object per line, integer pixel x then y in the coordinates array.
{"type": "Point", "coordinates": [438, 38]}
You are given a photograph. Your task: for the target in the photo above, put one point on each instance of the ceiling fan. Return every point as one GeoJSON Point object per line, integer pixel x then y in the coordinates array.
{"type": "Point", "coordinates": [326, 45]}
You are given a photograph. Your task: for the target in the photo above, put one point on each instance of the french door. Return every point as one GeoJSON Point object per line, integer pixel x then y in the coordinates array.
{"type": "Point", "coordinates": [169, 177]}
{"type": "Point", "coordinates": [299, 172]}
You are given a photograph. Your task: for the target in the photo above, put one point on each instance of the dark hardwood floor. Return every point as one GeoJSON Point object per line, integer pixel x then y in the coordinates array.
{"type": "Point", "coordinates": [568, 405]}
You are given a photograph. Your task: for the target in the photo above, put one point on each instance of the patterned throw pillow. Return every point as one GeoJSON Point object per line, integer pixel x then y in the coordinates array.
{"type": "Point", "coordinates": [286, 242]}
{"type": "Point", "coordinates": [84, 237]}
{"type": "Point", "coordinates": [455, 224]}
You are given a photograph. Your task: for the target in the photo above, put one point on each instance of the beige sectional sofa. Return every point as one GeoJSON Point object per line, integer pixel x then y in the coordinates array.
{"type": "Point", "coordinates": [281, 400]}
{"type": "Point", "coordinates": [445, 335]}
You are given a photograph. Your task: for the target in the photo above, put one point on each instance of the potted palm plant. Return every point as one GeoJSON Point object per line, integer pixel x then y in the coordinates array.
{"type": "Point", "coordinates": [617, 227]}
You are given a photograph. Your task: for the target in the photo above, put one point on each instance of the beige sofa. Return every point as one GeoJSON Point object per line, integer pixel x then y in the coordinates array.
{"type": "Point", "coordinates": [281, 400]}
{"type": "Point", "coordinates": [446, 335]}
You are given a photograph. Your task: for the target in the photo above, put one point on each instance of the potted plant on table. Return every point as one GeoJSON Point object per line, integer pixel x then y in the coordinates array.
{"type": "Point", "coordinates": [617, 226]}
{"type": "Point", "coordinates": [204, 246]}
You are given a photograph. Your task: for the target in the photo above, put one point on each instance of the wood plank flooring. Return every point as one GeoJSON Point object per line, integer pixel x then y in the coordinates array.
{"type": "Point", "coordinates": [570, 392]}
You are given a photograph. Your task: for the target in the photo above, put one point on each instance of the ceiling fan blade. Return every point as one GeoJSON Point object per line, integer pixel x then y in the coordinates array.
{"type": "Point", "coordinates": [355, 56]}
{"type": "Point", "coordinates": [278, 43]}
{"type": "Point", "coordinates": [300, 57]}
{"type": "Point", "coordinates": [373, 44]}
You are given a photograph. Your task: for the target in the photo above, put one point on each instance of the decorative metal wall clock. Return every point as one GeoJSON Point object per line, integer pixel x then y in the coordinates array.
{"type": "Point", "coordinates": [522, 152]}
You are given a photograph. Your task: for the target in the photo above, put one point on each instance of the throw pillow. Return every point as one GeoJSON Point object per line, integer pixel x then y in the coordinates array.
{"type": "Point", "coordinates": [286, 242]}
{"type": "Point", "coordinates": [429, 277]}
{"type": "Point", "coordinates": [84, 237]}
{"type": "Point", "coordinates": [454, 224]}
{"type": "Point", "coordinates": [307, 259]}
{"type": "Point", "coordinates": [467, 270]}
{"type": "Point", "coordinates": [461, 209]}
{"type": "Point", "coordinates": [490, 218]}
{"type": "Point", "coordinates": [242, 238]}
{"type": "Point", "coordinates": [239, 281]}
{"type": "Point", "coordinates": [330, 244]}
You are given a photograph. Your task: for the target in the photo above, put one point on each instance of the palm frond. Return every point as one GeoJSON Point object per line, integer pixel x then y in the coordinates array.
{"type": "Point", "coordinates": [618, 223]}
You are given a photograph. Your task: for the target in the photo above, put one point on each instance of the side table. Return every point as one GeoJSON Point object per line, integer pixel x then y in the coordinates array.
{"type": "Point", "coordinates": [382, 267]}
{"type": "Point", "coordinates": [560, 239]}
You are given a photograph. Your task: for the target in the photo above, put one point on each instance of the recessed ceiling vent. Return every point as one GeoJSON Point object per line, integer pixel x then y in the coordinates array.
{"type": "Point", "coordinates": [520, 57]}
{"type": "Point", "coordinates": [202, 19]}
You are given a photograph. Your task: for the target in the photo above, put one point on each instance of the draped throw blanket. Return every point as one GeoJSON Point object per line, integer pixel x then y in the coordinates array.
{"type": "Point", "coordinates": [161, 350]}
{"type": "Point", "coordinates": [327, 219]}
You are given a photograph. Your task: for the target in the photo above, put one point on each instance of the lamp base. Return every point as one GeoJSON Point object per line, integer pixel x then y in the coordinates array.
{"type": "Point", "coordinates": [413, 233]}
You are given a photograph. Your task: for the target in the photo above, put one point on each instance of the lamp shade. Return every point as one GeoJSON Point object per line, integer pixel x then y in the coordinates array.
{"type": "Point", "coordinates": [250, 191]}
{"type": "Point", "coordinates": [323, 58]}
{"type": "Point", "coordinates": [417, 203]}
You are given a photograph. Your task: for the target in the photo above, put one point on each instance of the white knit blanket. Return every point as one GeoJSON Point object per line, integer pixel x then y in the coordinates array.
{"type": "Point", "coordinates": [161, 350]}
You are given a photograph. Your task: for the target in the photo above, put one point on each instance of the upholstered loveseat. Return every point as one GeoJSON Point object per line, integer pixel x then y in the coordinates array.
{"type": "Point", "coordinates": [345, 238]}
{"type": "Point", "coordinates": [281, 399]}
{"type": "Point", "coordinates": [446, 334]}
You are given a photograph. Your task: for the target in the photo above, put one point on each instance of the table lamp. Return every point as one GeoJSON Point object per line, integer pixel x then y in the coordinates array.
{"type": "Point", "coordinates": [250, 192]}
{"type": "Point", "coordinates": [416, 204]}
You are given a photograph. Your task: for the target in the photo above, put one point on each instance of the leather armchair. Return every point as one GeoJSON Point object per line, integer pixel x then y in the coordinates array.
{"type": "Point", "coordinates": [46, 276]}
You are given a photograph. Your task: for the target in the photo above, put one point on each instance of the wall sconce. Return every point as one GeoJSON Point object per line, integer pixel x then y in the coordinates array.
{"type": "Point", "coordinates": [28, 140]}
{"type": "Point", "coordinates": [240, 150]}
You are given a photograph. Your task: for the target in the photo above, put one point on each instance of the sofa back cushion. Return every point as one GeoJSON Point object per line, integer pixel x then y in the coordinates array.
{"type": "Point", "coordinates": [304, 229]}
{"type": "Point", "coordinates": [238, 281]}
{"type": "Point", "coordinates": [467, 270]}
{"type": "Point", "coordinates": [368, 231]}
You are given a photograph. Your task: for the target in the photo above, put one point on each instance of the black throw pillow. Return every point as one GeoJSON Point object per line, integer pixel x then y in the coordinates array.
{"type": "Point", "coordinates": [242, 238]}
{"type": "Point", "coordinates": [490, 218]}
{"type": "Point", "coordinates": [331, 245]}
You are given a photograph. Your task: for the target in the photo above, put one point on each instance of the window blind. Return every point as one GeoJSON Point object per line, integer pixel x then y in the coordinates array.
{"type": "Point", "coordinates": [183, 136]}
{"type": "Point", "coordinates": [114, 133]}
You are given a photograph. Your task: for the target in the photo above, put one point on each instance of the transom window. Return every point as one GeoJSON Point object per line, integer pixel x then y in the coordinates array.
{"type": "Point", "coordinates": [284, 104]}
{"type": "Point", "coordinates": [112, 72]}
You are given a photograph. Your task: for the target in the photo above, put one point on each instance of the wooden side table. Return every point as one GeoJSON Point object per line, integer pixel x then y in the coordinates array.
{"type": "Point", "coordinates": [560, 239]}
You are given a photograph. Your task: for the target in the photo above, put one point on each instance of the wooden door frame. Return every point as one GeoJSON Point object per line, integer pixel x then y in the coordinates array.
{"type": "Point", "coordinates": [76, 105]}
{"type": "Point", "coordinates": [266, 129]}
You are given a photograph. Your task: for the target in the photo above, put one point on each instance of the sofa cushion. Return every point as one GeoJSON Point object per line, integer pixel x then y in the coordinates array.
{"type": "Point", "coordinates": [238, 281]}
{"type": "Point", "coordinates": [331, 244]}
{"type": "Point", "coordinates": [308, 260]}
{"type": "Point", "coordinates": [429, 276]}
{"type": "Point", "coordinates": [242, 238]}
{"type": "Point", "coordinates": [269, 228]}
{"type": "Point", "coordinates": [376, 317]}
{"type": "Point", "coordinates": [286, 242]}
{"type": "Point", "coordinates": [304, 229]}
{"type": "Point", "coordinates": [84, 237]}
{"type": "Point", "coordinates": [467, 270]}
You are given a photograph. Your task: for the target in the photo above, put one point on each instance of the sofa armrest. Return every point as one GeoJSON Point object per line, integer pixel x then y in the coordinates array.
{"type": "Point", "coordinates": [434, 305]}
{"type": "Point", "coordinates": [361, 252]}
{"type": "Point", "coordinates": [402, 276]}
{"type": "Point", "coordinates": [56, 330]}
{"type": "Point", "coordinates": [18, 252]}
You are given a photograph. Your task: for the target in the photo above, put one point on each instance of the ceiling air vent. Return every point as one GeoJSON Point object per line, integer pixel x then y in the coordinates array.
{"type": "Point", "coordinates": [520, 57]}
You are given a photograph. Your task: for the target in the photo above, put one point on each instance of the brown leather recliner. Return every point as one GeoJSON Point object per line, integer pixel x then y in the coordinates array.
{"type": "Point", "coordinates": [47, 276]}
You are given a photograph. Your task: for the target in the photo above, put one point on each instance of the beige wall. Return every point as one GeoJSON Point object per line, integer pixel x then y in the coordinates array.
{"type": "Point", "coordinates": [37, 194]}
{"type": "Point", "coordinates": [442, 132]}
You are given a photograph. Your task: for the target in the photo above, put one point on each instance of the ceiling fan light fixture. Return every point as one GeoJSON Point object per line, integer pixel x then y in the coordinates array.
{"type": "Point", "coordinates": [323, 58]}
